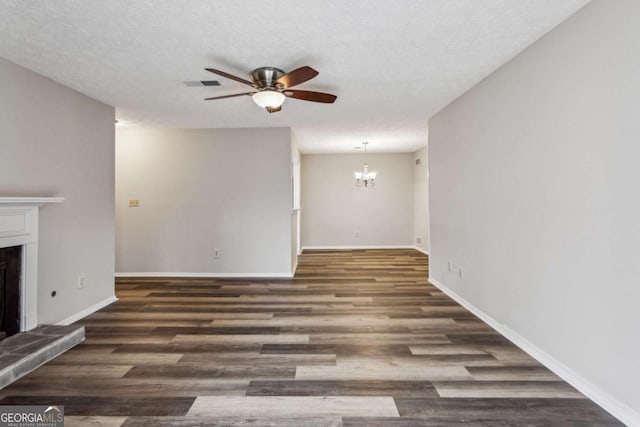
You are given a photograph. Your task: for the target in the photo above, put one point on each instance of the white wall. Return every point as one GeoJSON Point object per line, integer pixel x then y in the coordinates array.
{"type": "Point", "coordinates": [421, 199]}
{"type": "Point", "coordinates": [334, 209]}
{"type": "Point", "coordinates": [57, 142]}
{"type": "Point", "coordinates": [534, 191]}
{"type": "Point", "coordinates": [202, 189]}
{"type": "Point", "coordinates": [295, 211]}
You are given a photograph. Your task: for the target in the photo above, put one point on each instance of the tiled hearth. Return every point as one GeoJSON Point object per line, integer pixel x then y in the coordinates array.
{"type": "Point", "coordinates": [24, 352]}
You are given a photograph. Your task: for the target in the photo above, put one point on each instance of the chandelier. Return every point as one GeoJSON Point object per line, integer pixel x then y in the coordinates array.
{"type": "Point", "coordinates": [366, 178]}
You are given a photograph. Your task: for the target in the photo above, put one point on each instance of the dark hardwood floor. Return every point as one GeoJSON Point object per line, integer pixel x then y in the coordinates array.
{"type": "Point", "coordinates": [358, 338]}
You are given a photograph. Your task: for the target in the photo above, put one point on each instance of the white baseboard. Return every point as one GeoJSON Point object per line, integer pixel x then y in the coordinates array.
{"type": "Point", "coordinates": [616, 408]}
{"type": "Point", "coordinates": [348, 248]}
{"type": "Point", "coordinates": [209, 275]}
{"type": "Point", "coordinates": [84, 313]}
{"type": "Point", "coordinates": [295, 267]}
{"type": "Point", "coordinates": [419, 249]}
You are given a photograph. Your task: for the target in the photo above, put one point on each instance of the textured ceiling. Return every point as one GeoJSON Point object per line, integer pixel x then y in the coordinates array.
{"type": "Point", "coordinates": [392, 64]}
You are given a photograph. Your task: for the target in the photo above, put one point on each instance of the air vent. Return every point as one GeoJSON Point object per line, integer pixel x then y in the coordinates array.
{"type": "Point", "coordinates": [201, 83]}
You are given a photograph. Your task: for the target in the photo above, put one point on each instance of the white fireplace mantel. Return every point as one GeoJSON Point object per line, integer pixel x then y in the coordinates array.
{"type": "Point", "coordinates": [29, 200]}
{"type": "Point", "coordinates": [19, 227]}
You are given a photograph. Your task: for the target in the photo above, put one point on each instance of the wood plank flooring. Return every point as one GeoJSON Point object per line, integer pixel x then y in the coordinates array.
{"type": "Point", "coordinates": [357, 338]}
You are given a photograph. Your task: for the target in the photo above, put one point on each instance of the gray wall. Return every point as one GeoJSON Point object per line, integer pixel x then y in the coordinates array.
{"type": "Point", "coordinates": [57, 142]}
{"type": "Point", "coordinates": [534, 191]}
{"type": "Point", "coordinates": [202, 189]}
{"type": "Point", "coordinates": [333, 208]}
{"type": "Point", "coordinates": [421, 199]}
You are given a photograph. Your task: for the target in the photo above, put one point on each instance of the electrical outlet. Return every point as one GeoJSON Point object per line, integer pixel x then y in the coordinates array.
{"type": "Point", "coordinates": [419, 241]}
{"type": "Point", "coordinates": [357, 234]}
{"type": "Point", "coordinates": [216, 253]}
{"type": "Point", "coordinates": [134, 203]}
{"type": "Point", "coordinates": [460, 272]}
{"type": "Point", "coordinates": [81, 282]}
{"type": "Point", "coordinates": [449, 266]}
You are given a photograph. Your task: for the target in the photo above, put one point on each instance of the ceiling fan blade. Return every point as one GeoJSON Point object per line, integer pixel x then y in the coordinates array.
{"type": "Point", "coordinates": [307, 95]}
{"type": "Point", "coordinates": [229, 96]}
{"type": "Point", "coordinates": [229, 76]}
{"type": "Point", "coordinates": [297, 77]}
{"type": "Point", "coordinates": [273, 109]}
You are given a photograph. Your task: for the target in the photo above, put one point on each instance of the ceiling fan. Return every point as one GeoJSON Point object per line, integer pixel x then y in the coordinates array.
{"type": "Point", "coordinates": [272, 86]}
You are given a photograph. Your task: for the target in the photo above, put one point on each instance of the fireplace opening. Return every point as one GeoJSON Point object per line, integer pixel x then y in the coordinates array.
{"type": "Point", "coordinates": [10, 268]}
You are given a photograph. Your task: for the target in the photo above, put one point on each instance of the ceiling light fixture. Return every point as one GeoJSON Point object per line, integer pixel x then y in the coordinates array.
{"type": "Point", "coordinates": [272, 85]}
{"type": "Point", "coordinates": [365, 177]}
{"type": "Point", "coordinates": [268, 98]}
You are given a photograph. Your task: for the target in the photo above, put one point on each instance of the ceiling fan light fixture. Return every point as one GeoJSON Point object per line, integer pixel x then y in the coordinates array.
{"type": "Point", "coordinates": [268, 98]}
{"type": "Point", "coordinates": [271, 86]}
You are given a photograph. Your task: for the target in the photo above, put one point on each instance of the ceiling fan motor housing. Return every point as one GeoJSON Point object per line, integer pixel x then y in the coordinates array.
{"type": "Point", "coordinates": [265, 77]}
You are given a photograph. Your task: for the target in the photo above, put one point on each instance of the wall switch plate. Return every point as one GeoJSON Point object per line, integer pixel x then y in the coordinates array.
{"type": "Point", "coordinates": [357, 234]}
{"type": "Point", "coordinates": [449, 266]}
{"type": "Point", "coordinates": [81, 282]}
{"type": "Point", "coordinates": [460, 272]}
{"type": "Point", "coordinates": [216, 253]}
{"type": "Point", "coordinates": [419, 241]}
{"type": "Point", "coordinates": [135, 203]}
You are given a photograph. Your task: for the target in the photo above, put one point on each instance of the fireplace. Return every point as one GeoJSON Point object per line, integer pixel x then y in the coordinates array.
{"type": "Point", "coordinates": [10, 268]}
{"type": "Point", "coordinates": [19, 238]}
